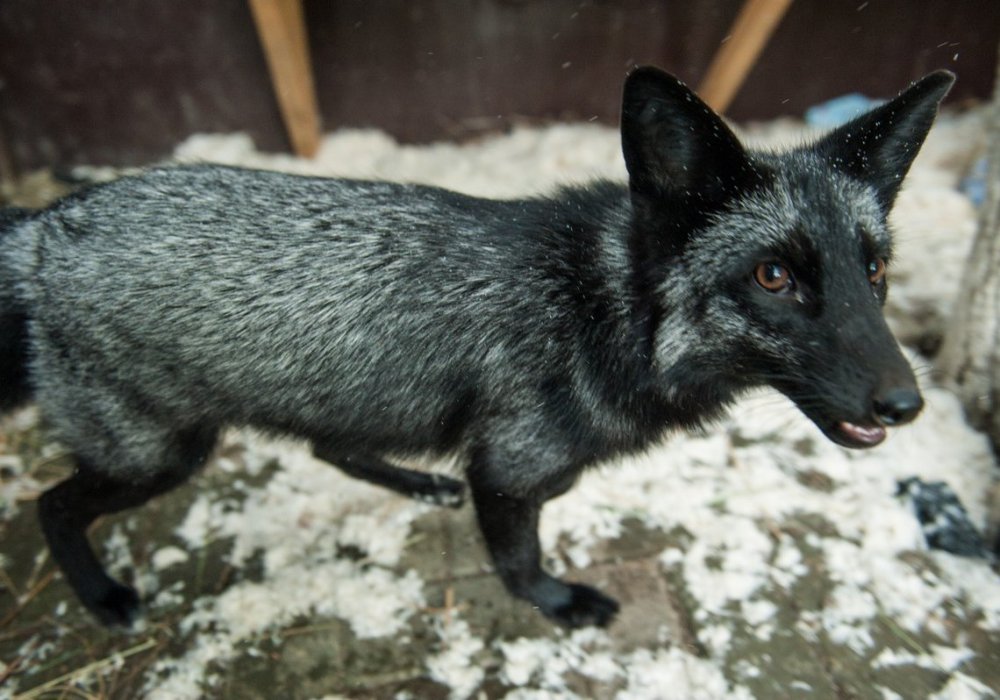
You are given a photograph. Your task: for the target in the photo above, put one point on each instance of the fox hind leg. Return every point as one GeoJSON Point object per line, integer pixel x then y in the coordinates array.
{"type": "Point", "coordinates": [432, 488]}
{"type": "Point", "coordinates": [70, 507]}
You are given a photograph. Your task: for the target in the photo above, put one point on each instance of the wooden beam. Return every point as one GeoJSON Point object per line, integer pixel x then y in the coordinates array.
{"type": "Point", "coordinates": [282, 31]}
{"type": "Point", "coordinates": [747, 37]}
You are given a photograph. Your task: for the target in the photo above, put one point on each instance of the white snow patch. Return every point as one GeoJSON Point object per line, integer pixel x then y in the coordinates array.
{"type": "Point", "coordinates": [963, 687]}
{"type": "Point", "coordinates": [545, 662]}
{"type": "Point", "coordinates": [297, 520]}
{"type": "Point", "coordinates": [165, 557]}
{"type": "Point", "coordinates": [645, 674]}
{"type": "Point", "coordinates": [940, 657]}
{"type": "Point", "coordinates": [714, 637]}
{"type": "Point", "coordinates": [727, 562]}
{"type": "Point", "coordinates": [454, 665]}
{"type": "Point", "coordinates": [975, 582]}
{"type": "Point", "coordinates": [846, 616]}
{"type": "Point", "coordinates": [672, 674]}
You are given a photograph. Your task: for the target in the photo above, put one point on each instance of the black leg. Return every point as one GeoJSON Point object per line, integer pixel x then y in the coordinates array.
{"type": "Point", "coordinates": [510, 527]}
{"type": "Point", "coordinates": [68, 509]}
{"type": "Point", "coordinates": [433, 488]}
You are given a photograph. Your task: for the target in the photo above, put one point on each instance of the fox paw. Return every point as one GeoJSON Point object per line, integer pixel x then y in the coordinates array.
{"type": "Point", "coordinates": [586, 606]}
{"type": "Point", "coordinates": [117, 606]}
{"type": "Point", "coordinates": [444, 491]}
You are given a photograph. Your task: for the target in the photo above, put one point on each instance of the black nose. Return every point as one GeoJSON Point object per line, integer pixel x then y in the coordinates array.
{"type": "Point", "coordinates": [897, 406]}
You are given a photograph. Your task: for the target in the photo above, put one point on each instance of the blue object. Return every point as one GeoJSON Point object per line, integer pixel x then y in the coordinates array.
{"type": "Point", "coordinates": [839, 110]}
{"type": "Point", "coordinates": [973, 185]}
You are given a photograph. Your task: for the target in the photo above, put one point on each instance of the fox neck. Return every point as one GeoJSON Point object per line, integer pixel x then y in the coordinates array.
{"type": "Point", "coordinates": [631, 395]}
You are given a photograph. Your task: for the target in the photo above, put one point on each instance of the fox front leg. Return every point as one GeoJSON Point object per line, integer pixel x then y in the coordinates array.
{"type": "Point", "coordinates": [508, 518]}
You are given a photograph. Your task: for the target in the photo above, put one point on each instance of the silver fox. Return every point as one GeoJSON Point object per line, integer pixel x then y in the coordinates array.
{"type": "Point", "coordinates": [533, 338]}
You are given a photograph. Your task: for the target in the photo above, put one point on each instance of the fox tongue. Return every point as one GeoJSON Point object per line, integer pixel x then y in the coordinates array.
{"type": "Point", "coordinates": [866, 436]}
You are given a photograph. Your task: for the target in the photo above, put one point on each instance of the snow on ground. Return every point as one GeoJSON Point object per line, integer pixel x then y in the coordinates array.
{"type": "Point", "coordinates": [765, 506]}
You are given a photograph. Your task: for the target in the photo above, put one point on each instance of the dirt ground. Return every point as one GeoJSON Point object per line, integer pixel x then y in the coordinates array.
{"type": "Point", "coordinates": [52, 648]}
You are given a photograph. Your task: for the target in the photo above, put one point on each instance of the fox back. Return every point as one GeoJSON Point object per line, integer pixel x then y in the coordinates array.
{"type": "Point", "coordinates": [380, 316]}
{"type": "Point", "coordinates": [532, 338]}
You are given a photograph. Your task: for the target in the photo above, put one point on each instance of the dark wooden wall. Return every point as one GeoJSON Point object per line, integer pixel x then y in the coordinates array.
{"type": "Point", "coordinates": [123, 81]}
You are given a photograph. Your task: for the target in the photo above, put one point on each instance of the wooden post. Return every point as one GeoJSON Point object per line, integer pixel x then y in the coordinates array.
{"type": "Point", "coordinates": [969, 361]}
{"type": "Point", "coordinates": [738, 54]}
{"type": "Point", "coordinates": [282, 31]}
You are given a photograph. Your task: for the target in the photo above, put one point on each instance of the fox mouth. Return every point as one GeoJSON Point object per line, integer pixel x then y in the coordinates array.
{"type": "Point", "coordinates": [853, 429]}
{"type": "Point", "coordinates": [853, 435]}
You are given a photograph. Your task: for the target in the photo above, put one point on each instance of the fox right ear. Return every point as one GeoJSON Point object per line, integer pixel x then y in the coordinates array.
{"type": "Point", "coordinates": [674, 144]}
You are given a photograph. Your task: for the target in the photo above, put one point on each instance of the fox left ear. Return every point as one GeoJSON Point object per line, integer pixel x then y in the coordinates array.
{"type": "Point", "coordinates": [879, 146]}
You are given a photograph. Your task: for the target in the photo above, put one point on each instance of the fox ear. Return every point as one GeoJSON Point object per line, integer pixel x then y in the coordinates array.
{"type": "Point", "coordinates": [879, 146]}
{"type": "Point", "coordinates": [674, 144]}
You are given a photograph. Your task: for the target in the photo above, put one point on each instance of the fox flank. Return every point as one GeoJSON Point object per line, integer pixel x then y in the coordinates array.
{"type": "Point", "coordinates": [532, 338]}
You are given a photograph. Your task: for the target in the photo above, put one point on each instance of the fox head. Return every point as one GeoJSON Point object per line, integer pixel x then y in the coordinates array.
{"type": "Point", "coordinates": [768, 268]}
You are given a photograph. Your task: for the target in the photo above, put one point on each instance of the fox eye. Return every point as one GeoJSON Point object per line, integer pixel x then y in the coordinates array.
{"type": "Point", "coordinates": [774, 277]}
{"type": "Point", "coordinates": [876, 270]}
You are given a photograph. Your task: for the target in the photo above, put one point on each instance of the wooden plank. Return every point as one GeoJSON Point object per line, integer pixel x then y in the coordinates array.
{"type": "Point", "coordinates": [749, 34]}
{"type": "Point", "coordinates": [282, 31]}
